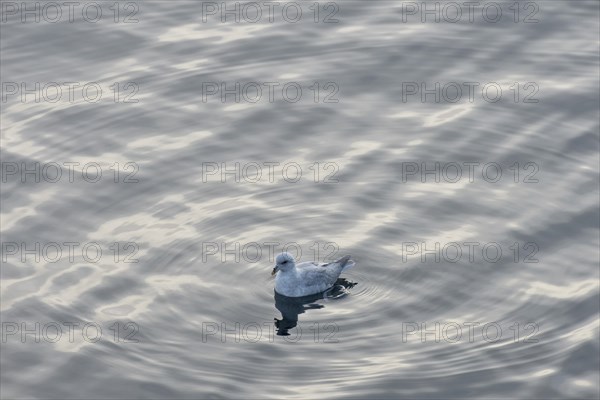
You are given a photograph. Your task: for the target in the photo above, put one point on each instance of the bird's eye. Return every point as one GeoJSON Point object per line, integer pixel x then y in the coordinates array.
{"type": "Point", "coordinates": [284, 262]}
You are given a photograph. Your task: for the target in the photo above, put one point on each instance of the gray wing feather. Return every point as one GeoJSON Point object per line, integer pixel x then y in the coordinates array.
{"type": "Point", "coordinates": [314, 274]}
{"type": "Point", "coordinates": [323, 274]}
{"type": "Point", "coordinates": [318, 276]}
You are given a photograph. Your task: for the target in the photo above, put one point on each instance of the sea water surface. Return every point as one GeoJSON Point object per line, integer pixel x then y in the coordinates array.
{"type": "Point", "coordinates": [180, 302]}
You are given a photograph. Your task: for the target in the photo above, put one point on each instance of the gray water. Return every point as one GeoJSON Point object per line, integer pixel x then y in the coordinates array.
{"type": "Point", "coordinates": [184, 313]}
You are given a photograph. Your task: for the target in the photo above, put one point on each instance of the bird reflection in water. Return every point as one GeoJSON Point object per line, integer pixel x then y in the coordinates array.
{"type": "Point", "coordinates": [291, 307]}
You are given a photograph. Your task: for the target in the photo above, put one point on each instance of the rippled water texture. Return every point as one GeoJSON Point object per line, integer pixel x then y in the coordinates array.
{"type": "Point", "coordinates": [176, 311]}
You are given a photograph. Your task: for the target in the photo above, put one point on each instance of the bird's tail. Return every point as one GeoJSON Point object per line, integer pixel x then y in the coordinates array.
{"type": "Point", "coordinates": [345, 262]}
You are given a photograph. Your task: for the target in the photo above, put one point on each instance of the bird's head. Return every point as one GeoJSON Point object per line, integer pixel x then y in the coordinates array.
{"type": "Point", "coordinates": [284, 262]}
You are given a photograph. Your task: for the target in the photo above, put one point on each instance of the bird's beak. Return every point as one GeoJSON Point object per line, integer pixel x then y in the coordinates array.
{"type": "Point", "coordinates": [275, 269]}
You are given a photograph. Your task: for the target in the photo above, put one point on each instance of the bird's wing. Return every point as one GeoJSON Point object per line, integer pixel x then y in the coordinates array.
{"type": "Point", "coordinates": [315, 274]}
{"type": "Point", "coordinates": [307, 264]}
{"type": "Point", "coordinates": [310, 264]}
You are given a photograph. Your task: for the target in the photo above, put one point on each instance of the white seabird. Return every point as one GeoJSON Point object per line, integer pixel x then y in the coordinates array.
{"type": "Point", "coordinates": [306, 278]}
